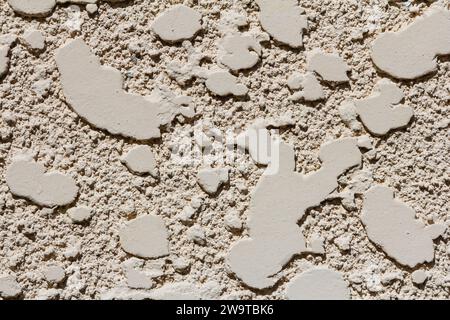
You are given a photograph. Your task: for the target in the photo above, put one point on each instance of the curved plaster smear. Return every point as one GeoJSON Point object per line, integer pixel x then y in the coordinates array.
{"type": "Point", "coordinates": [177, 24]}
{"type": "Point", "coordinates": [283, 20]}
{"type": "Point", "coordinates": [378, 112]}
{"type": "Point", "coordinates": [330, 66]}
{"type": "Point", "coordinates": [318, 284]}
{"type": "Point", "coordinates": [95, 92]}
{"type": "Point", "coordinates": [278, 202]}
{"type": "Point", "coordinates": [28, 179]}
{"type": "Point", "coordinates": [145, 237]}
{"type": "Point", "coordinates": [411, 52]}
{"type": "Point", "coordinates": [224, 83]}
{"type": "Point", "coordinates": [392, 225]}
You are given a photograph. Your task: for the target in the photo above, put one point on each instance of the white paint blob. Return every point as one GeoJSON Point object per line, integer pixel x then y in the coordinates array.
{"type": "Point", "coordinates": [28, 179]}
{"type": "Point", "coordinates": [391, 225]}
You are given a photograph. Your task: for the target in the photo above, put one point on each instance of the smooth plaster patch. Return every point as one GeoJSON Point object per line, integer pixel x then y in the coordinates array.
{"type": "Point", "coordinates": [96, 93]}
{"type": "Point", "coordinates": [140, 160]}
{"type": "Point", "coordinates": [43, 8]}
{"type": "Point", "coordinates": [34, 39]}
{"type": "Point", "coordinates": [380, 112]}
{"type": "Point", "coordinates": [318, 284]}
{"type": "Point", "coordinates": [145, 237]}
{"type": "Point", "coordinates": [329, 66]}
{"type": "Point", "coordinates": [223, 83]}
{"type": "Point", "coordinates": [28, 179]}
{"type": "Point", "coordinates": [32, 8]}
{"type": "Point", "coordinates": [392, 226]}
{"type": "Point", "coordinates": [177, 24]}
{"type": "Point", "coordinates": [278, 202]}
{"type": "Point", "coordinates": [284, 20]}
{"type": "Point", "coordinates": [239, 51]}
{"type": "Point", "coordinates": [411, 52]}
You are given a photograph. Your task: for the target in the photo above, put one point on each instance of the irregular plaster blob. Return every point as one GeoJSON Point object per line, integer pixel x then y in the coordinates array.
{"type": "Point", "coordinates": [318, 284]}
{"type": "Point", "coordinates": [141, 160]}
{"type": "Point", "coordinates": [34, 40]}
{"type": "Point", "coordinates": [95, 92]}
{"type": "Point", "coordinates": [32, 8]}
{"type": "Point", "coordinates": [283, 20]}
{"type": "Point", "coordinates": [211, 179]}
{"type": "Point", "coordinates": [145, 237]}
{"type": "Point", "coordinates": [377, 111]}
{"type": "Point", "coordinates": [411, 52]}
{"type": "Point", "coordinates": [279, 200]}
{"type": "Point", "coordinates": [177, 23]}
{"type": "Point", "coordinates": [392, 225]}
{"type": "Point", "coordinates": [239, 51]}
{"type": "Point", "coordinates": [330, 66]}
{"type": "Point", "coordinates": [224, 83]}
{"type": "Point", "coordinates": [28, 179]}
{"type": "Point", "coordinates": [80, 214]}
{"type": "Point", "coordinates": [9, 288]}
{"type": "Point", "coordinates": [311, 90]}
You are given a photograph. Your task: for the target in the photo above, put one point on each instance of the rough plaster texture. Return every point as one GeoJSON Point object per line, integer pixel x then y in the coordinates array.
{"type": "Point", "coordinates": [121, 57]}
